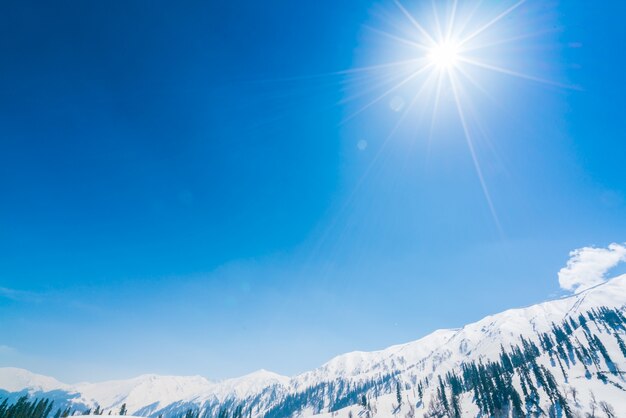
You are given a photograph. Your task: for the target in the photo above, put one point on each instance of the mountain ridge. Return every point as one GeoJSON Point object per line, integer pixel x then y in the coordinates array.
{"type": "Point", "coordinates": [415, 361]}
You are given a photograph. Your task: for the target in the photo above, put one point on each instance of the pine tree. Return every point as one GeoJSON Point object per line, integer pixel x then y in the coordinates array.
{"type": "Point", "coordinates": [516, 403]}
{"type": "Point", "coordinates": [26, 408]}
{"type": "Point", "coordinates": [620, 343]}
{"type": "Point", "coordinates": [583, 322]}
{"type": "Point", "coordinates": [442, 394]}
{"type": "Point", "coordinates": [605, 354]}
{"type": "Point", "coordinates": [398, 394]}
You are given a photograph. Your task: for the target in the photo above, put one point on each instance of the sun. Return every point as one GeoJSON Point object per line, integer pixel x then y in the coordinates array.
{"type": "Point", "coordinates": [444, 55]}
{"type": "Point", "coordinates": [441, 53]}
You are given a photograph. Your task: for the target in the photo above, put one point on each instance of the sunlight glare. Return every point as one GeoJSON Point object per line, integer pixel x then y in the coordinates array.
{"type": "Point", "coordinates": [444, 55]}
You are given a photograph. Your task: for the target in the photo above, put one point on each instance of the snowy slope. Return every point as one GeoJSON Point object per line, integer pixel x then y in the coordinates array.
{"type": "Point", "coordinates": [251, 384]}
{"type": "Point", "coordinates": [143, 390]}
{"type": "Point", "coordinates": [583, 391]}
{"type": "Point", "coordinates": [14, 380]}
{"type": "Point", "coordinates": [483, 339]}
{"type": "Point", "coordinates": [427, 357]}
{"type": "Point", "coordinates": [360, 364]}
{"type": "Point", "coordinates": [444, 349]}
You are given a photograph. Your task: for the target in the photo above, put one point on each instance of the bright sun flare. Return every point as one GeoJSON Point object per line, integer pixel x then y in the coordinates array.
{"type": "Point", "coordinates": [445, 48]}
{"type": "Point", "coordinates": [447, 52]}
{"type": "Point", "coordinates": [444, 55]}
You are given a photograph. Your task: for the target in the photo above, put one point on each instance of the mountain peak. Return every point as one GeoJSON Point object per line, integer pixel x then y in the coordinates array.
{"type": "Point", "coordinates": [13, 379]}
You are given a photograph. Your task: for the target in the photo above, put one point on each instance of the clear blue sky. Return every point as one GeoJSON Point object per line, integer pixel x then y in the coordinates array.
{"type": "Point", "coordinates": [182, 194]}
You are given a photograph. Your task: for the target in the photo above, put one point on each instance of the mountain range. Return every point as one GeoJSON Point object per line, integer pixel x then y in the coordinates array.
{"type": "Point", "coordinates": [563, 357]}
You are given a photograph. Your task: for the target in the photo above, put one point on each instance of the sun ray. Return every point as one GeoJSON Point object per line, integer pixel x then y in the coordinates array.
{"type": "Point", "coordinates": [389, 91]}
{"type": "Point", "coordinates": [438, 28]}
{"type": "Point", "coordinates": [440, 77]}
{"type": "Point", "coordinates": [492, 22]}
{"type": "Point", "coordinates": [503, 41]}
{"type": "Point", "coordinates": [470, 144]}
{"type": "Point", "coordinates": [376, 67]}
{"type": "Point", "coordinates": [475, 83]}
{"type": "Point", "coordinates": [415, 23]}
{"type": "Point", "coordinates": [375, 159]}
{"type": "Point", "coordinates": [451, 20]}
{"type": "Point", "coordinates": [374, 87]}
{"type": "Point", "coordinates": [468, 18]}
{"type": "Point", "coordinates": [364, 69]}
{"type": "Point", "coordinates": [398, 38]}
{"type": "Point", "coordinates": [515, 73]}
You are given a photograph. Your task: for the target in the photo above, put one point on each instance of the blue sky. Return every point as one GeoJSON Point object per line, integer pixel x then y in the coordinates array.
{"type": "Point", "coordinates": [184, 190]}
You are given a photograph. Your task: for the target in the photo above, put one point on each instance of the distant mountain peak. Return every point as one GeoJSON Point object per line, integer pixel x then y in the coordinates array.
{"type": "Point", "coordinates": [13, 379]}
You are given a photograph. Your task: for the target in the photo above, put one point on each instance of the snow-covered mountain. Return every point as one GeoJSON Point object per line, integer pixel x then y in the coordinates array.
{"type": "Point", "coordinates": [582, 355]}
{"type": "Point", "coordinates": [14, 380]}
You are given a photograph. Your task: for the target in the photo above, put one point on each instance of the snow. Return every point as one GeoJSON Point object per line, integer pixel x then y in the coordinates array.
{"type": "Point", "coordinates": [144, 390]}
{"type": "Point", "coordinates": [433, 354]}
{"type": "Point", "coordinates": [359, 365]}
{"type": "Point", "coordinates": [252, 383]}
{"type": "Point", "coordinates": [13, 379]}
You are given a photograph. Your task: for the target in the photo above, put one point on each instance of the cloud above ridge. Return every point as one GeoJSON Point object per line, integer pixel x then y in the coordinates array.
{"type": "Point", "coordinates": [587, 266]}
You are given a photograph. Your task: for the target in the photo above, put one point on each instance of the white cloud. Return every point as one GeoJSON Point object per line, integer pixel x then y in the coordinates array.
{"type": "Point", "coordinates": [588, 266]}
